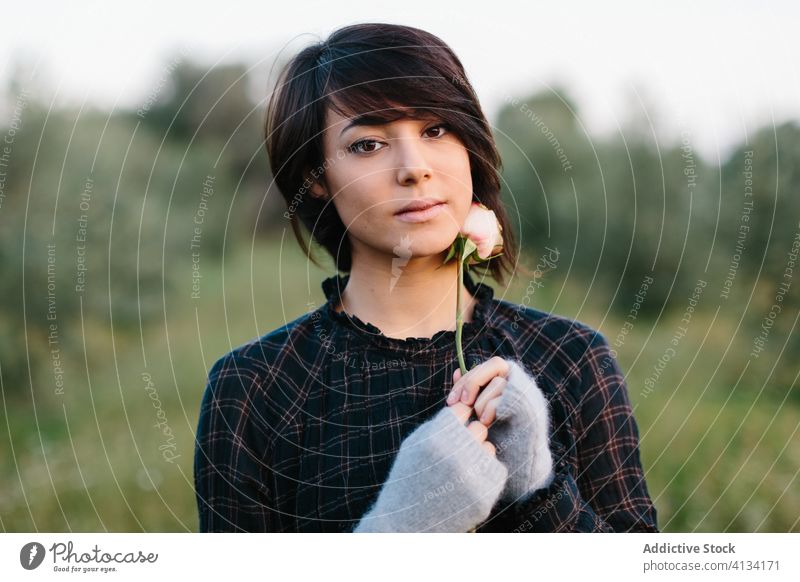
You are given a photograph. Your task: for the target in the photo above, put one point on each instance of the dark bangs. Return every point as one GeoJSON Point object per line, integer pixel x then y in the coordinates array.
{"type": "Point", "coordinates": [377, 73]}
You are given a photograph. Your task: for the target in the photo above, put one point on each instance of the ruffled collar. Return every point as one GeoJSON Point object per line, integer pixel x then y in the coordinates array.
{"type": "Point", "coordinates": [444, 339]}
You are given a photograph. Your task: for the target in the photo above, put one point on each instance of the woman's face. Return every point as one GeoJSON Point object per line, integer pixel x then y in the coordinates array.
{"type": "Point", "coordinates": [374, 171]}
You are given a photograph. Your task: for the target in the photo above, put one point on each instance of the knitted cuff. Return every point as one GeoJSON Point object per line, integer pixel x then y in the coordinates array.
{"type": "Point", "coordinates": [442, 480]}
{"type": "Point", "coordinates": [521, 434]}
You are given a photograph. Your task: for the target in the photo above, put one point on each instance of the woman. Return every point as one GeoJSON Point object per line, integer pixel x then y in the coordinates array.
{"type": "Point", "coordinates": [354, 417]}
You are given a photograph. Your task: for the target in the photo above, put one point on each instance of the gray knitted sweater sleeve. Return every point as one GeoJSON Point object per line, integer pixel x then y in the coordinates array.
{"type": "Point", "coordinates": [521, 434]}
{"type": "Point", "coordinates": [442, 480]}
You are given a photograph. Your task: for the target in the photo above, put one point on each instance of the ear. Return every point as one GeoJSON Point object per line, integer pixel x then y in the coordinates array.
{"type": "Point", "coordinates": [318, 190]}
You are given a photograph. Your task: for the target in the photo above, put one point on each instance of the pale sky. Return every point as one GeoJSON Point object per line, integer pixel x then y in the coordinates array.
{"type": "Point", "coordinates": [719, 69]}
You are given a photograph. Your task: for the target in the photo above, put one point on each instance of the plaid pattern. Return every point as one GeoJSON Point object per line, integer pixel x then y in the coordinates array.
{"type": "Point", "coordinates": [298, 428]}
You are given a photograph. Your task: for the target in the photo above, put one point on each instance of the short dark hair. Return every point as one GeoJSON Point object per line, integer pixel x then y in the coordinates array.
{"type": "Point", "coordinates": [372, 69]}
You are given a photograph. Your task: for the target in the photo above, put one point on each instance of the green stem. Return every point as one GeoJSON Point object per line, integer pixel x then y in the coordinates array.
{"type": "Point", "coordinates": [459, 317]}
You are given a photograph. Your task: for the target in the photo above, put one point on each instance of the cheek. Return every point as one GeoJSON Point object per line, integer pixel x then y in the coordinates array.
{"type": "Point", "coordinates": [459, 178]}
{"type": "Point", "coordinates": [358, 201]}
{"type": "Point", "coordinates": [455, 168]}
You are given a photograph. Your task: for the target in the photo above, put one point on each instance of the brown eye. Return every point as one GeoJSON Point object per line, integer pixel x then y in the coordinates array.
{"type": "Point", "coordinates": [442, 127]}
{"type": "Point", "coordinates": [365, 146]}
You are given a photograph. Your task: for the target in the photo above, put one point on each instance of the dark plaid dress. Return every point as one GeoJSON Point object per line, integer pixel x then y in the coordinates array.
{"type": "Point", "coordinates": [298, 428]}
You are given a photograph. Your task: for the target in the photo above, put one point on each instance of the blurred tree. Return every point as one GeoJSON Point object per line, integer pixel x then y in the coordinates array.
{"type": "Point", "coordinates": [768, 240]}
{"type": "Point", "coordinates": [618, 208]}
{"type": "Point", "coordinates": [213, 107]}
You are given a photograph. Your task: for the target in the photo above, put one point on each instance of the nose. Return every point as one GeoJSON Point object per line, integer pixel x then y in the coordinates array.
{"type": "Point", "coordinates": [412, 164]}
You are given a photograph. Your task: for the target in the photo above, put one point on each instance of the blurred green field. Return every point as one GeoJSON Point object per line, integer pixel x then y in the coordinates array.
{"type": "Point", "coordinates": [719, 456]}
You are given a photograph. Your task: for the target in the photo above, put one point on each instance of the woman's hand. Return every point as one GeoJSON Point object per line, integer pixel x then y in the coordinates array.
{"type": "Point", "coordinates": [493, 375]}
{"type": "Point", "coordinates": [478, 430]}
{"type": "Point", "coordinates": [518, 411]}
{"type": "Point", "coordinates": [441, 480]}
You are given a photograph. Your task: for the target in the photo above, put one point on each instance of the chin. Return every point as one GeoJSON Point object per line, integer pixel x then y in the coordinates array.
{"type": "Point", "coordinates": [420, 245]}
{"type": "Point", "coordinates": [423, 239]}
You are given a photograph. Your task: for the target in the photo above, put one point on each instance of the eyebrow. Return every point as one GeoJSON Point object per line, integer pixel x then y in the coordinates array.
{"type": "Point", "coordinates": [373, 120]}
{"type": "Point", "coordinates": [363, 120]}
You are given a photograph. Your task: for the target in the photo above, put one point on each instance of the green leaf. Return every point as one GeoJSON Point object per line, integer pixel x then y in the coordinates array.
{"type": "Point", "coordinates": [468, 251]}
{"type": "Point", "coordinates": [451, 252]}
{"type": "Point", "coordinates": [469, 248]}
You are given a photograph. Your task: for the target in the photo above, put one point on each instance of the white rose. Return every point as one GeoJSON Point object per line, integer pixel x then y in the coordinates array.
{"type": "Point", "coordinates": [482, 228]}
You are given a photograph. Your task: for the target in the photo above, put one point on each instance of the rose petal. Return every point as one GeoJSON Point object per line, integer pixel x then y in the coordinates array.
{"type": "Point", "coordinates": [482, 227]}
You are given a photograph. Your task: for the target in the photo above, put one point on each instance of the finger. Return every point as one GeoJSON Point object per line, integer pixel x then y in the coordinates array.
{"type": "Point", "coordinates": [452, 397]}
{"type": "Point", "coordinates": [467, 387]}
{"type": "Point", "coordinates": [462, 411]}
{"type": "Point", "coordinates": [489, 415]}
{"type": "Point", "coordinates": [478, 430]}
{"type": "Point", "coordinates": [494, 389]}
{"type": "Point", "coordinates": [475, 379]}
{"type": "Point", "coordinates": [489, 447]}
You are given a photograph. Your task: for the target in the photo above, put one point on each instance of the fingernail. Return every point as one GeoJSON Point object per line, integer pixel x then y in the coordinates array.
{"type": "Point", "coordinates": [451, 397]}
{"type": "Point", "coordinates": [464, 396]}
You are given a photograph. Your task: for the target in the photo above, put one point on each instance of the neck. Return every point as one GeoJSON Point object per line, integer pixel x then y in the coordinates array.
{"type": "Point", "coordinates": [416, 300]}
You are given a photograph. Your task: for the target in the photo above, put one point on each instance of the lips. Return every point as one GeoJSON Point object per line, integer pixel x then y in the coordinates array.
{"type": "Point", "coordinates": [417, 205]}
{"type": "Point", "coordinates": [424, 213]}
